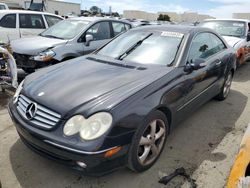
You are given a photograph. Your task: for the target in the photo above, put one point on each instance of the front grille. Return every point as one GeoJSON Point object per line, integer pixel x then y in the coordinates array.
{"type": "Point", "coordinates": [23, 60]}
{"type": "Point", "coordinates": [39, 115]}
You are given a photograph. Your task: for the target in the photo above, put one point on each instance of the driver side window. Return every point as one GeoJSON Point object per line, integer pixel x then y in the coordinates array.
{"type": "Point", "coordinates": [200, 47]}
{"type": "Point", "coordinates": [100, 31]}
{"type": "Point", "coordinates": [205, 45]}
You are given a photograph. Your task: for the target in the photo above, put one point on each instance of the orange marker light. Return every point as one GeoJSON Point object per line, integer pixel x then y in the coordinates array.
{"type": "Point", "coordinates": [112, 152]}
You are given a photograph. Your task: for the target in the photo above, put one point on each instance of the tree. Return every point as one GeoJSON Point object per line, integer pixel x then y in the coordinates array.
{"type": "Point", "coordinates": [164, 17]}
{"type": "Point", "coordinates": [95, 10]}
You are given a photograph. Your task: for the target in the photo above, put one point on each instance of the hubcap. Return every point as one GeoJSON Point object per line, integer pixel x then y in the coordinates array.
{"type": "Point", "coordinates": [227, 85]}
{"type": "Point", "coordinates": [151, 142]}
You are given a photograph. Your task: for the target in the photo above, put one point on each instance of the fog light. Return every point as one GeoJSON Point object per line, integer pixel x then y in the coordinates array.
{"type": "Point", "coordinates": [81, 164]}
{"type": "Point", "coordinates": [112, 152]}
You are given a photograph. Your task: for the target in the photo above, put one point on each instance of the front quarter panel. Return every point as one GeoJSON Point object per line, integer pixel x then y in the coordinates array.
{"type": "Point", "coordinates": [165, 93]}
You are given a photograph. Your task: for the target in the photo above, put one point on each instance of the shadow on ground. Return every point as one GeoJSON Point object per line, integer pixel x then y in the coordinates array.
{"type": "Point", "coordinates": [243, 74]}
{"type": "Point", "coordinates": [190, 143]}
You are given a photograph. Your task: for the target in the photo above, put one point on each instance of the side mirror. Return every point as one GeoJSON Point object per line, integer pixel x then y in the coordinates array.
{"type": "Point", "coordinates": [195, 65]}
{"type": "Point", "coordinates": [88, 39]}
{"type": "Point", "coordinates": [248, 36]}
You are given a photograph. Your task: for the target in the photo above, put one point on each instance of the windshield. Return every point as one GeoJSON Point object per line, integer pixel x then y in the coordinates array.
{"type": "Point", "coordinates": [226, 28]}
{"type": "Point", "coordinates": [144, 47]}
{"type": "Point", "coordinates": [66, 29]}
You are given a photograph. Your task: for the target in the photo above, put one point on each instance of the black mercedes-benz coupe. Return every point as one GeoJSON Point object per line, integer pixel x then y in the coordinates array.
{"type": "Point", "coordinates": [116, 107]}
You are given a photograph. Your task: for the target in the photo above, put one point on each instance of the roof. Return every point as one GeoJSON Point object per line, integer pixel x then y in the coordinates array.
{"type": "Point", "coordinates": [25, 12]}
{"type": "Point", "coordinates": [93, 19]}
{"type": "Point", "coordinates": [63, 1]}
{"type": "Point", "coordinates": [241, 20]}
{"type": "Point", "coordinates": [173, 28]}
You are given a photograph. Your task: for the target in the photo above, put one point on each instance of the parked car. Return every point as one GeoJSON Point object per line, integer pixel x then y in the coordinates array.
{"type": "Point", "coordinates": [16, 24]}
{"type": "Point", "coordinates": [3, 6]}
{"type": "Point", "coordinates": [66, 40]}
{"type": "Point", "coordinates": [237, 34]}
{"type": "Point", "coordinates": [116, 107]}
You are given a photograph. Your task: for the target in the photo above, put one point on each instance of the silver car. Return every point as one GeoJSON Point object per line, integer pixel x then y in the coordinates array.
{"type": "Point", "coordinates": [66, 40]}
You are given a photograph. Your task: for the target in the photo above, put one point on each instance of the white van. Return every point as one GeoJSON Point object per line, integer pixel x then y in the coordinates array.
{"type": "Point", "coordinates": [16, 24]}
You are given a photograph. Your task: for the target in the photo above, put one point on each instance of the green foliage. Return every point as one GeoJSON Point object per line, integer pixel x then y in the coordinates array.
{"type": "Point", "coordinates": [163, 17]}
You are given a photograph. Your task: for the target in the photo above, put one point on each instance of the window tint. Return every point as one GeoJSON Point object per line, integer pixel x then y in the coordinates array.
{"type": "Point", "coordinates": [34, 21]}
{"type": "Point", "coordinates": [8, 21]}
{"type": "Point", "coordinates": [2, 7]}
{"type": "Point", "coordinates": [51, 20]}
{"type": "Point", "coordinates": [204, 46]}
{"type": "Point", "coordinates": [119, 27]}
{"type": "Point", "coordinates": [100, 31]}
{"type": "Point", "coordinates": [217, 44]}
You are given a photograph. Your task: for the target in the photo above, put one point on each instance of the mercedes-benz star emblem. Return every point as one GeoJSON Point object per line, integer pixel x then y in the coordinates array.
{"type": "Point", "coordinates": [31, 111]}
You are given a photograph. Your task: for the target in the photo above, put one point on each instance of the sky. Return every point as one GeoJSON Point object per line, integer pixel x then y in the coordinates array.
{"type": "Point", "coordinates": [216, 8]}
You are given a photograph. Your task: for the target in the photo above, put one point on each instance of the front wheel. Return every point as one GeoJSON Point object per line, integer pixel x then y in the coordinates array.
{"type": "Point", "coordinates": [226, 87]}
{"type": "Point", "coordinates": [148, 142]}
{"type": "Point", "coordinates": [28, 70]}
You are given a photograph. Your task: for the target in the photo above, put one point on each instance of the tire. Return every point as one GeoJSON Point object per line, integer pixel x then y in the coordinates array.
{"type": "Point", "coordinates": [146, 148]}
{"type": "Point", "coordinates": [225, 90]}
{"type": "Point", "coordinates": [28, 70]}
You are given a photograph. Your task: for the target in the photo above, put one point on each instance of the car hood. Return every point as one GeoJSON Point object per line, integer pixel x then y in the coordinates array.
{"type": "Point", "coordinates": [95, 85]}
{"type": "Point", "coordinates": [34, 45]}
{"type": "Point", "coordinates": [232, 41]}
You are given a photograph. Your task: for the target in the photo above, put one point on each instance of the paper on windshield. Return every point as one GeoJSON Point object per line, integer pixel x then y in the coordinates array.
{"type": "Point", "coordinates": [172, 34]}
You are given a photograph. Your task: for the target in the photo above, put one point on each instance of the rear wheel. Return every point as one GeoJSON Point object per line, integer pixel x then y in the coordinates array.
{"type": "Point", "coordinates": [226, 87]}
{"type": "Point", "coordinates": [148, 142]}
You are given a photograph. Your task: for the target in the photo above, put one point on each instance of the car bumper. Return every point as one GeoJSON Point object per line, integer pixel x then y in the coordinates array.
{"type": "Point", "coordinates": [96, 163]}
{"type": "Point", "coordinates": [24, 61]}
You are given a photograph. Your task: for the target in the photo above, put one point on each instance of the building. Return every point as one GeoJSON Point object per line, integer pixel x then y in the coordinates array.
{"type": "Point", "coordinates": [175, 17]}
{"type": "Point", "coordinates": [241, 15]}
{"type": "Point", "coordinates": [52, 6]}
{"type": "Point", "coordinates": [137, 14]}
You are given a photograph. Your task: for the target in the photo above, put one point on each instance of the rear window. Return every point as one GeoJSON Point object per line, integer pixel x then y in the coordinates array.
{"type": "Point", "coordinates": [8, 21]}
{"type": "Point", "coordinates": [2, 7]}
{"type": "Point", "coordinates": [33, 21]}
{"type": "Point", "coordinates": [119, 27]}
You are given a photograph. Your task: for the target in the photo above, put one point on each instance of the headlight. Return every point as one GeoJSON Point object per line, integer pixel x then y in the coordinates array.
{"type": "Point", "coordinates": [18, 91]}
{"type": "Point", "coordinates": [44, 56]}
{"type": "Point", "coordinates": [89, 129]}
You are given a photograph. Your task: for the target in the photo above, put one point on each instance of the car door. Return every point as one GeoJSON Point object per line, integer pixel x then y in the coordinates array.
{"type": "Point", "coordinates": [101, 35]}
{"type": "Point", "coordinates": [204, 83]}
{"type": "Point", "coordinates": [31, 24]}
{"type": "Point", "coordinates": [8, 28]}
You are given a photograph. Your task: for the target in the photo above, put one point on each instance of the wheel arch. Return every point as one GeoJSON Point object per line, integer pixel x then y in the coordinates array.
{"type": "Point", "coordinates": [167, 112]}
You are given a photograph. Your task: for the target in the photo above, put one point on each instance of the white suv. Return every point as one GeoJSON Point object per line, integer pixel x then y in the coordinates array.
{"type": "Point", "coordinates": [16, 24]}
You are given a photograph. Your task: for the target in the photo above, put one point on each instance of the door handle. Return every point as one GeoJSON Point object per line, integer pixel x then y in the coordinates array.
{"type": "Point", "coordinates": [218, 63]}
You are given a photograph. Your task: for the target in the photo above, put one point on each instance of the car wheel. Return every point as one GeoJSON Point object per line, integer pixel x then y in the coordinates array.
{"type": "Point", "coordinates": [226, 87]}
{"type": "Point", "coordinates": [28, 70]}
{"type": "Point", "coordinates": [148, 142]}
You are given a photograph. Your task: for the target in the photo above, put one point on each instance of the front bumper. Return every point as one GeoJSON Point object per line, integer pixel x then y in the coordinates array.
{"type": "Point", "coordinates": [24, 61]}
{"type": "Point", "coordinates": [96, 163]}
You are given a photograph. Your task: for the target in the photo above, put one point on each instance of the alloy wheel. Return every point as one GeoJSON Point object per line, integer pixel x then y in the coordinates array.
{"type": "Point", "coordinates": [151, 142]}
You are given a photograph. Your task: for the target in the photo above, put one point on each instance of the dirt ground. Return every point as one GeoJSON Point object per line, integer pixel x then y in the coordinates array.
{"type": "Point", "coordinates": [205, 144]}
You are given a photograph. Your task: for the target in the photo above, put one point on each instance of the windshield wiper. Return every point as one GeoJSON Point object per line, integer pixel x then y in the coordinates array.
{"type": "Point", "coordinates": [52, 36]}
{"type": "Point", "coordinates": [132, 48]}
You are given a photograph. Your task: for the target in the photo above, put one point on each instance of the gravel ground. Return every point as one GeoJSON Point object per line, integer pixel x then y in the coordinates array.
{"type": "Point", "coordinates": [205, 144]}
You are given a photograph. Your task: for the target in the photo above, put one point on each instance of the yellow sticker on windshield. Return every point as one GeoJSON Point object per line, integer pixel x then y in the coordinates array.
{"type": "Point", "coordinates": [171, 34]}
